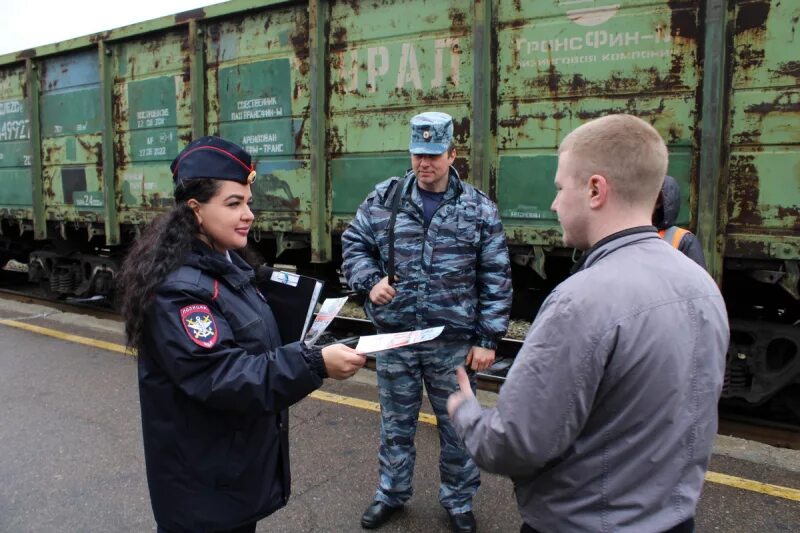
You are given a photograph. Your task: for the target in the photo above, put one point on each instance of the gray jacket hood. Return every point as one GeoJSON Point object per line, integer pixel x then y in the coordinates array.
{"type": "Point", "coordinates": [666, 215]}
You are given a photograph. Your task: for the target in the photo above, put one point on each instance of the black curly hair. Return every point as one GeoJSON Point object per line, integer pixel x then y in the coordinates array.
{"type": "Point", "coordinates": [160, 250]}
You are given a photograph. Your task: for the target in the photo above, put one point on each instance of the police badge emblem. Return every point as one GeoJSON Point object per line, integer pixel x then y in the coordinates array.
{"type": "Point", "coordinates": [199, 325]}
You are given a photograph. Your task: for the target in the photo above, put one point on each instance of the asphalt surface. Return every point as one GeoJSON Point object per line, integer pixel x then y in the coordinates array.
{"type": "Point", "coordinates": [71, 452]}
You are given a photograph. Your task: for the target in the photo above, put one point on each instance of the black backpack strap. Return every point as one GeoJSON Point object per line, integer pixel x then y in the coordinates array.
{"type": "Point", "coordinates": [398, 193]}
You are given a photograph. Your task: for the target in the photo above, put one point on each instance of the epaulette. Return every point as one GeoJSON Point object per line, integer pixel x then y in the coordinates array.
{"type": "Point", "coordinates": [194, 277]}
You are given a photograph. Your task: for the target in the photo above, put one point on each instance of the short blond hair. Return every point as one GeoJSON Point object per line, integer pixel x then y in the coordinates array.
{"type": "Point", "coordinates": [625, 150]}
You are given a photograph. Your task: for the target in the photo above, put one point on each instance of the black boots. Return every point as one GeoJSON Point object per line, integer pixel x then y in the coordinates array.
{"type": "Point", "coordinates": [462, 522]}
{"type": "Point", "coordinates": [377, 514]}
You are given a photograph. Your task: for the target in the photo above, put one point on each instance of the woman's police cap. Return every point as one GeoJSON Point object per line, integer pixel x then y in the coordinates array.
{"type": "Point", "coordinates": [213, 158]}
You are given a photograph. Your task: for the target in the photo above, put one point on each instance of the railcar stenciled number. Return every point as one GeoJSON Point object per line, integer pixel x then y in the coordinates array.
{"type": "Point", "coordinates": [15, 130]}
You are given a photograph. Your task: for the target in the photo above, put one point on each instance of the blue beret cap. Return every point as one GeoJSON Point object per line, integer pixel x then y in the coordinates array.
{"type": "Point", "coordinates": [213, 158]}
{"type": "Point", "coordinates": [431, 133]}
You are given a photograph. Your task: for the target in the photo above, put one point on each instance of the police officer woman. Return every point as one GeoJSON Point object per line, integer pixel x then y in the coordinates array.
{"type": "Point", "coordinates": [214, 379]}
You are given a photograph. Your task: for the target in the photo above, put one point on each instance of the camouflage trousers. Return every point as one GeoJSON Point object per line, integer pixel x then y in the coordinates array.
{"type": "Point", "coordinates": [401, 373]}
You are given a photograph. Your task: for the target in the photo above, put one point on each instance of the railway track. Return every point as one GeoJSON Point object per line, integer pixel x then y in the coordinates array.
{"type": "Point", "coordinates": [33, 295]}
{"type": "Point", "coordinates": [347, 330]}
{"type": "Point", "coordinates": [778, 434]}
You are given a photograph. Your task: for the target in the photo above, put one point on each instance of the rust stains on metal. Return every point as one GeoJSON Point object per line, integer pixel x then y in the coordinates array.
{"type": "Point", "coordinates": [744, 191]}
{"type": "Point", "coordinates": [119, 111]}
{"type": "Point", "coordinates": [48, 185]}
{"type": "Point", "coordinates": [747, 137]}
{"type": "Point", "coordinates": [300, 43]}
{"type": "Point", "coordinates": [51, 155]}
{"type": "Point", "coordinates": [96, 149]}
{"type": "Point", "coordinates": [213, 32]}
{"type": "Point", "coordinates": [462, 166]}
{"type": "Point", "coordinates": [786, 212]}
{"type": "Point", "coordinates": [745, 248]}
{"type": "Point", "coordinates": [335, 141]}
{"type": "Point", "coordinates": [155, 46]}
{"type": "Point", "coordinates": [750, 56]}
{"type": "Point", "coordinates": [185, 137]}
{"type": "Point", "coordinates": [578, 83]}
{"type": "Point", "coordinates": [186, 16]}
{"type": "Point", "coordinates": [788, 102]}
{"type": "Point", "coordinates": [339, 37]}
{"type": "Point", "coordinates": [752, 16]}
{"type": "Point", "coordinates": [673, 134]}
{"type": "Point", "coordinates": [790, 68]}
{"type": "Point", "coordinates": [629, 107]}
{"type": "Point", "coordinates": [517, 120]}
{"type": "Point", "coordinates": [355, 5]}
{"type": "Point", "coordinates": [751, 19]}
{"type": "Point", "coordinates": [101, 36]}
{"type": "Point", "coordinates": [683, 22]}
{"type": "Point", "coordinates": [457, 18]}
{"type": "Point", "coordinates": [684, 30]}
{"type": "Point", "coordinates": [275, 202]}
{"type": "Point", "coordinates": [461, 130]}
{"type": "Point", "coordinates": [26, 54]}
{"type": "Point", "coordinates": [120, 154]}
{"type": "Point", "coordinates": [298, 137]}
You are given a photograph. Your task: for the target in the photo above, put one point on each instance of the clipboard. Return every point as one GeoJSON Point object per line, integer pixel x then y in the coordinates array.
{"type": "Point", "coordinates": [292, 298]}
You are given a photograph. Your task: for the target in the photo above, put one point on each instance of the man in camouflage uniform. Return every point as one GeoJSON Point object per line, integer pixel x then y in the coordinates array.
{"type": "Point", "coordinates": [451, 268]}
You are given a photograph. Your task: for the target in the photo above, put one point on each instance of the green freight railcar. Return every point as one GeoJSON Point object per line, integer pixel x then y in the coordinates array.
{"type": "Point", "coordinates": [320, 93]}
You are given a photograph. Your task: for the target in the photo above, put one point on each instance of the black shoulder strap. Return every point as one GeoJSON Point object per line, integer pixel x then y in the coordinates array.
{"type": "Point", "coordinates": [398, 193]}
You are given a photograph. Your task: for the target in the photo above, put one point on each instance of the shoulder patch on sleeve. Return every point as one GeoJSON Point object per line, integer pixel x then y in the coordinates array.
{"type": "Point", "coordinates": [199, 324]}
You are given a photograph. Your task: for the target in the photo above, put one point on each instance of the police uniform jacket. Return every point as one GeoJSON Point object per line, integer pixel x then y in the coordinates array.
{"type": "Point", "coordinates": [455, 272]}
{"type": "Point", "coordinates": [607, 418]}
{"type": "Point", "coordinates": [215, 384]}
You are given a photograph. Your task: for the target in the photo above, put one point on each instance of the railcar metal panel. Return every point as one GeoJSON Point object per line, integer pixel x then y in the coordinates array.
{"type": "Point", "coordinates": [763, 197]}
{"type": "Point", "coordinates": [389, 60]}
{"type": "Point", "coordinates": [258, 96]}
{"type": "Point", "coordinates": [15, 145]}
{"type": "Point", "coordinates": [71, 137]}
{"type": "Point", "coordinates": [551, 65]}
{"type": "Point", "coordinates": [152, 120]}
{"type": "Point", "coordinates": [561, 64]}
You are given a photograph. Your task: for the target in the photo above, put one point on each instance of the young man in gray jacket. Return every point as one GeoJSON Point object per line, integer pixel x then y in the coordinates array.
{"type": "Point", "coordinates": [607, 418]}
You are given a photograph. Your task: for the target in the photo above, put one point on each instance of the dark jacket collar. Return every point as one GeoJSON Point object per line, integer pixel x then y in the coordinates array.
{"type": "Point", "coordinates": [608, 244]}
{"type": "Point", "coordinates": [235, 272]}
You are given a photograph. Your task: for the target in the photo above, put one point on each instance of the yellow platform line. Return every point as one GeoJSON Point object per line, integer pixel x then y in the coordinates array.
{"type": "Point", "coordinates": [367, 405]}
{"type": "Point", "coordinates": [103, 345]}
{"type": "Point", "coordinates": [755, 486]}
{"type": "Point", "coordinates": [714, 477]}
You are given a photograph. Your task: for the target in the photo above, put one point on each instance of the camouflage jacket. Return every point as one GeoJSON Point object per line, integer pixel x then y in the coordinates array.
{"type": "Point", "coordinates": [454, 273]}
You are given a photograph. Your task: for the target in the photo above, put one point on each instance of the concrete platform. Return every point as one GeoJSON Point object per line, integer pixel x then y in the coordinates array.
{"type": "Point", "coordinates": [72, 460]}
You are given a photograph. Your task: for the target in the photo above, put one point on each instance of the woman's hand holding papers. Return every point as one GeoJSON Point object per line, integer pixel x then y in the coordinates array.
{"type": "Point", "coordinates": [342, 362]}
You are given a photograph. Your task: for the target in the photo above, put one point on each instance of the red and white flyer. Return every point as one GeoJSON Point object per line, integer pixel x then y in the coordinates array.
{"type": "Point", "coordinates": [327, 312]}
{"type": "Point", "coordinates": [388, 341]}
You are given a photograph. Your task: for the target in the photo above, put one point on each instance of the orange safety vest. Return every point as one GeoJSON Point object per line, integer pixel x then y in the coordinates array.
{"type": "Point", "coordinates": [673, 235]}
